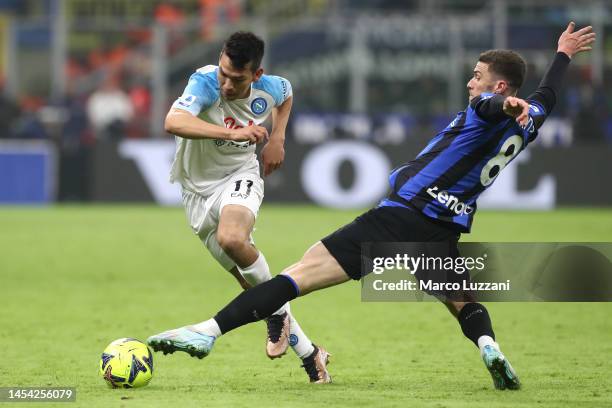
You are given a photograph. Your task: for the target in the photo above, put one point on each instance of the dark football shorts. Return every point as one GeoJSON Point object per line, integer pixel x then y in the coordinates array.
{"type": "Point", "coordinates": [397, 224]}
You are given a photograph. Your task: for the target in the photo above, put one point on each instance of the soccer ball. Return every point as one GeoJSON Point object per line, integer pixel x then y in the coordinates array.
{"type": "Point", "coordinates": [126, 363]}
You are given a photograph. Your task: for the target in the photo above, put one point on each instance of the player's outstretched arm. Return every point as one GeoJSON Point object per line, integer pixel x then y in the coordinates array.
{"type": "Point", "coordinates": [569, 44]}
{"type": "Point", "coordinates": [273, 153]}
{"type": "Point", "coordinates": [182, 123]}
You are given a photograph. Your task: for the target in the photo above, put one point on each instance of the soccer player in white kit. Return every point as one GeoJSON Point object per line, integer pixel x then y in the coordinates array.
{"type": "Point", "coordinates": [217, 123]}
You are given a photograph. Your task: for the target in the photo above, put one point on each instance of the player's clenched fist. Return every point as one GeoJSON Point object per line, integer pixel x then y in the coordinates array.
{"type": "Point", "coordinates": [572, 42]}
{"type": "Point", "coordinates": [518, 109]}
{"type": "Point", "coordinates": [252, 134]}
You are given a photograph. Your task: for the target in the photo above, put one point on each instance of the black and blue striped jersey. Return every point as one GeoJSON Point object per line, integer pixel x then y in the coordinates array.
{"type": "Point", "coordinates": [444, 181]}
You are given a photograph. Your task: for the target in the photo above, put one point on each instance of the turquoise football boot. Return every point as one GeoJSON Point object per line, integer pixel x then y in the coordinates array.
{"type": "Point", "coordinates": [182, 339]}
{"type": "Point", "coordinates": [502, 372]}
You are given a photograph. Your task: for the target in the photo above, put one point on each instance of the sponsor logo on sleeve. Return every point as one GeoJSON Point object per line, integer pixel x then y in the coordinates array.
{"type": "Point", "coordinates": [284, 85]}
{"type": "Point", "coordinates": [186, 100]}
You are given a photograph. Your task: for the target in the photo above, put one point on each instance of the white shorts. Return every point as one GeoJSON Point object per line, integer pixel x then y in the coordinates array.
{"type": "Point", "coordinates": [203, 213]}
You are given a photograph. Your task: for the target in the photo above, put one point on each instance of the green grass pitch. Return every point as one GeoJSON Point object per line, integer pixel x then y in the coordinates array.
{"type": "Point", "coordinates": [72, 279]}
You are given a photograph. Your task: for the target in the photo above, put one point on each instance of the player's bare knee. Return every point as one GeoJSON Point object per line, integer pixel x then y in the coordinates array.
{"type": "Point", "coordinates": [231, 241]}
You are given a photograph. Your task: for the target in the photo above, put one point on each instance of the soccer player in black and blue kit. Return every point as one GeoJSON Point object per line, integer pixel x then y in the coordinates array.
{"type": "Point", "coordinates": [432, 199]}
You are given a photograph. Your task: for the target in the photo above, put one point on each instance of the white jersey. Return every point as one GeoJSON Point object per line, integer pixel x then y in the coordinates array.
{"type": "Point", "coordinates": [201, 165]}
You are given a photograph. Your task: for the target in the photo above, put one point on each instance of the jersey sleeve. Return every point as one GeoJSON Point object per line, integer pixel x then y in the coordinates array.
{"type": "Point", "coordinates": [537, 112]}
{"type": "Point", "coordinates": [537, 115]}
{"type": "Point", "coordinates": [543, 99]}
{"type": "Point", "coordinates": [489, 107]}
{"type": "Point", "coordinates": [278, 87]}
{"type": "Point", "coordinates": [199, 94]}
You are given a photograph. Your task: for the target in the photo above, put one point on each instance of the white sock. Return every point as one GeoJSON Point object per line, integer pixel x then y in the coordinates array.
{"type": "Point", "coordinates": [208, 327]}
{"type": "Point", "coordinates": [487, 341]}
{"type": "Point", "coordinates": [299, 342]}
{"type": "Point", "coordinates": [259, 272]}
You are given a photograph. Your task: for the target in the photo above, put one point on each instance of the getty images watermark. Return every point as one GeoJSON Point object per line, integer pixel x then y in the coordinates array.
{"type": "Point", "coordinates": [429, 267]}
{"type": "Point", "coordinates": [420, 271]}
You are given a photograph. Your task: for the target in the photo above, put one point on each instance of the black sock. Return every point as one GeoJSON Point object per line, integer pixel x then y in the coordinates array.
{"type": "Point", "coordinates": [257, 303]}
{"type": "Point", "coordinates": [475, 322]}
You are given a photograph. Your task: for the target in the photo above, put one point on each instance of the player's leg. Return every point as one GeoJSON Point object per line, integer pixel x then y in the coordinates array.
{"type": "Point", "coordinates": [476, 325]}
{"type": "Point", "coordinates": [223, 259]}
{"type": "Point", "coordinates": [241, 281]}
{"type": "Point", "coordinates": [203, 220]}
{"type": "Point", "coordinates": [474, 320]}
{"type": "Point", "coordinates": [329, 262]}
{"type": "Point", "coordinates": [473, 317]}
{"type": "Point", "coordinates": [316, 270]}
{"type": "Point", "coordinates": [233, 235]}
{"type": "Point", "coordinates": [297, 339]}
{"type": "Point", "coordinates": [238, 207]}
{"type": "Point", "coordinates": [224, 222]}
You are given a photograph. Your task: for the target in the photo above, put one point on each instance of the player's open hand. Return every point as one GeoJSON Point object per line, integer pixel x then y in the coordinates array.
{"type": "Point", "coordinates": [252, 134]}
{"type": "Point", "coordinates": [273, 155]}
{"type": "Point", "coordinates": [517, 108]}
{"type": "Point", "coordinates": [572, 42]}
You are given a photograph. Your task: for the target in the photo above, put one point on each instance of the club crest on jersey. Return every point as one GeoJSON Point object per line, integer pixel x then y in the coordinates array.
{"type": "Point", "coordinates": [186, 100]}
{"type": "Point", "coordinates": [258, 106]}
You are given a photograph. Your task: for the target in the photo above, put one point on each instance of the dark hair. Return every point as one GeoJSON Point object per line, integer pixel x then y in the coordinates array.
{"type": "Point", "coordinates": [243, 47]}
{"type": "Point", "coordinates": [506, 63]}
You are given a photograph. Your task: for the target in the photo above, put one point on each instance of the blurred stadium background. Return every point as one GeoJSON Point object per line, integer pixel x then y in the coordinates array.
{"type": "Point", "coordinates": [86, 85]}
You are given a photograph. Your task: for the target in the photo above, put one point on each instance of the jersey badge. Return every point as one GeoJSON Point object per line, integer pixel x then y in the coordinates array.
{"type": "Point", "coordinates": [258, 106]}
